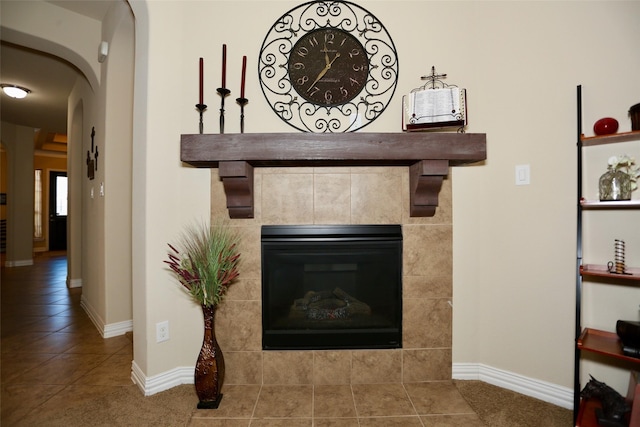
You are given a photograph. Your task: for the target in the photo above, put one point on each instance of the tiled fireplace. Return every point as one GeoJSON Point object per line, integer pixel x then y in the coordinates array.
{"type": "Point", "coordinates": [342, 195]}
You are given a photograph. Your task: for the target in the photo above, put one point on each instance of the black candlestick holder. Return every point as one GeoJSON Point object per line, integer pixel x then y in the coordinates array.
{"type": "Point", "coordinates": [242, 102]}
{"type": "Point", "coordinates": [201, 108]}
{"type": "Point", "coordinates": [223, 92]}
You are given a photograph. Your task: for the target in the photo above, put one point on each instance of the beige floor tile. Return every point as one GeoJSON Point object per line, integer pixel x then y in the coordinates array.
{"type": "Point", "coordinates": [284, 401]}
{"type": "Point", "coordinates": [128, 350]}
{"type": "Point", "coordinates": [20, 399]}
{"type": "Point", "coordinates": [115, 371]}
{"type": "Point", "coordinates": [219, 422]}
{"type": "Point", "coordinates": [282, 422]}
{"type": "Point", "coordinates": [466, 420]}
{"type": "Point", "coordinates": [70, 397]}
{"type": "Point", "coordinates": [36, 309]}
{"type": "Point", "coordinates": [14, 365]}
{"type": "Point", "coordinates": [63, 369]}
{"type": "Point", "coordinates": [333, 401]}
{"type": "Point", "coordinates": [16, 326]}
{"type": "Point", "coordinates": [374, 400]}
{"type": "Point", "coordinates": [437, 398]}
{"type": "Point", "coordinates": [335, 422]}
{"type": "Point", "coordinates": [408, 421]}
{"type": "Point", "coordinates": [50, 324]}
{"type": "Point", "coordinates": [82, 328]}
{"type": "Point", "coordinates": [20, 340]}
{"type": "Point", "coordinates": [99, 345]}
{"type": "Point", "coordinates": [57, 342]}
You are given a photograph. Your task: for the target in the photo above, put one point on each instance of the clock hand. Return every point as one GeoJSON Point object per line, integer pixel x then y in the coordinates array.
{"type": "Point", "coordinates": [326, 55]}
{"type": "Point", "coordinates": [323, 72]}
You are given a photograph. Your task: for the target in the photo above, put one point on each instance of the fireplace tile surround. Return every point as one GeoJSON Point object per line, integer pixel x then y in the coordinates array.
{"type": "Point", "coordinates": [342, 195]}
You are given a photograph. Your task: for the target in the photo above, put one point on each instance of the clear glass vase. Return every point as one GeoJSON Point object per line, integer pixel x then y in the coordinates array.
{"type": "Point", "coordinates": [615, 185]}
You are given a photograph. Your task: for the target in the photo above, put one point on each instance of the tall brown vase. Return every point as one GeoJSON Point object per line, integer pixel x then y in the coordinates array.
{"type": "Point", "coordinates": [209, 373]}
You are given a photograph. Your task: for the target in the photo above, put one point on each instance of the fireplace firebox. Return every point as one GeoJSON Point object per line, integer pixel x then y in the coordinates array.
{"type": "Point", "coordinates": [331, 287]}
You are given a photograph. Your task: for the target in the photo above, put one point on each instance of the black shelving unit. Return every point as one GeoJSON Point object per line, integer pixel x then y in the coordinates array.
{"type": "Point", "coordinates": [588, 339]}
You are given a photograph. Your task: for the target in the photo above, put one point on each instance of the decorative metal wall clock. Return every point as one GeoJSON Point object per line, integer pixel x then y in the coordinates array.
{"type": "Point", "coordinates": [328, 66]}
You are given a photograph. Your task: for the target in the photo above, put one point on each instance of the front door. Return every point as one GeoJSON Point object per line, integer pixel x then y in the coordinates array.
{"type": "Point", "coordinates": [57, 211]}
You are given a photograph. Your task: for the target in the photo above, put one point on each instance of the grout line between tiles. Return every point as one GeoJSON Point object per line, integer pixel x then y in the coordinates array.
{"type": "Point", "coordinates": [412, 405]}
{"type": "Point", "coordinates": [255, 404]}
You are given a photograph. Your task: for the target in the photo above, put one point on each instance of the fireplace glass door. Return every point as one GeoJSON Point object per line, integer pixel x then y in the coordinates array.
{"type": "Point", "coordinates": [332, 287]}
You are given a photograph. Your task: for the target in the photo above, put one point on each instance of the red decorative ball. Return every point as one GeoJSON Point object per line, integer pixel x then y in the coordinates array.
{"type": "Point", "coordinates": [605, 126]}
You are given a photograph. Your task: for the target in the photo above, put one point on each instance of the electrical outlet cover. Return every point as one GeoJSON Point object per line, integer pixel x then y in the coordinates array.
{"type": "Point", "coordinates": [162, 331]}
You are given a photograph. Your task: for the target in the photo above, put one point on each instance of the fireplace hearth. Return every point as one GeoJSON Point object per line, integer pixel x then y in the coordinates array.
{"type": "Point", "coordinates": [331, 287]}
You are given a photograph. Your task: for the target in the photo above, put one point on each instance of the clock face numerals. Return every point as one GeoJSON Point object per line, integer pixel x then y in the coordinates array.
{"type": "Point", "coordinates": [328, 67]}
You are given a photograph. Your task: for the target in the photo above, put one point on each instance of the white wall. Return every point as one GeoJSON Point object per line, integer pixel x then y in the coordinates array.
{"type": "Point", "coordinates": [116, 141]}
{"type": "Point", "coordinates": [514, 247]}
{"type": "Point", "coordinates": [18, 143]}
{"type": "Point", "coordinates": [166, 195]}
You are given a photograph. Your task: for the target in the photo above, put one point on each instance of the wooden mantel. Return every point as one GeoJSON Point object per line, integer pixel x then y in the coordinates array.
{"type": "Point", "coordinates": [428, 156]}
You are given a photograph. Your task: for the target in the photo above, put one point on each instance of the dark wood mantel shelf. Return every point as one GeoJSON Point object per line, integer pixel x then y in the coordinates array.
{"type": "Point", "coordinates": [427, 154]}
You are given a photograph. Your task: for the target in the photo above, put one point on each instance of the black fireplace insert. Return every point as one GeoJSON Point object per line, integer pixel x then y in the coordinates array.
{"type": "Point", "coordinates": [331, 287]}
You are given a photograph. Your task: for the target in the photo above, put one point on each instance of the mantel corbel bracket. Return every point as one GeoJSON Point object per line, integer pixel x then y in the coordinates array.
{"type": "Point", "coordinates": [425, 182]}
{"type": "Point", "coordinates": [237, 179]}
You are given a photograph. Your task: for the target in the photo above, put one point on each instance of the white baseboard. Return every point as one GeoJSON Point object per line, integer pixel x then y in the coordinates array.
{"type": "Point", "coordinates": [545, 391]}
{"type": "Point", "coordinates": [93, 315]}
{"type": "Point", "coordinates": [542, 390]}
{"type": "Point", "coordinates": [106, 330]}
{"type": "Point", "coordinates": [163, 381]}
{"type": "Point", "coordinates": [74, 283]}
{"type": "Point", "coordinates": [19, 263]}
{"type": "Point", "coordinates": [117, 329]}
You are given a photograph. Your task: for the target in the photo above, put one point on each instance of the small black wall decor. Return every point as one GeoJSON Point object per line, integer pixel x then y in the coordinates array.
{"type": "Point", "coordinates": [92, 163]}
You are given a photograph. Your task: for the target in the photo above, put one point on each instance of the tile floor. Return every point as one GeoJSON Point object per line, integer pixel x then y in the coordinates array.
{"type": "Point", "coordinates": [358, 405]}
{"type": "Point", "coordinates": [51, 354]}
{"type": "Point", "coordinates": [50, 350]}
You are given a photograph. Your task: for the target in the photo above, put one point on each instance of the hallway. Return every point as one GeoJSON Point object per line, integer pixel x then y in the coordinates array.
{"type": "Point", "coordinates": [52, 354]}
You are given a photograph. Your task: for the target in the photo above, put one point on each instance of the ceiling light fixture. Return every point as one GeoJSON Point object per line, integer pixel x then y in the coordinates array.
{"type": "Point", "coordinates": [15, 91]}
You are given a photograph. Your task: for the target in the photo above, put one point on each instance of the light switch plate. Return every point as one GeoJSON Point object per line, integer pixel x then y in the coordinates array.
{"type": "Point", "coordinates": [523, 175]}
